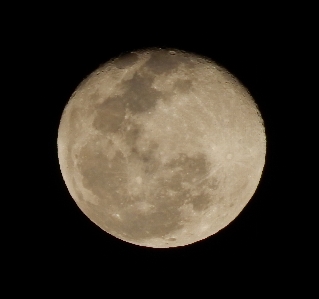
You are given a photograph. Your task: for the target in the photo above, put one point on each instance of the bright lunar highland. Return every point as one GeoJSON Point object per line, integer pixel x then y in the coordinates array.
{"type": "Point", "coordinates": [161, 148]}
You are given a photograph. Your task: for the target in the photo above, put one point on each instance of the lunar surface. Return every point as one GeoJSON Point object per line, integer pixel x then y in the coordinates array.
{"type": "Point", "coordinates": [161, 148]}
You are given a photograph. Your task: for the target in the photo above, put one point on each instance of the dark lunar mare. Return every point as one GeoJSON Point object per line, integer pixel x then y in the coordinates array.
{"type": "Point", "coordinates": [109, 183]}
{"type": "Point", "coordinates": [183, 180]}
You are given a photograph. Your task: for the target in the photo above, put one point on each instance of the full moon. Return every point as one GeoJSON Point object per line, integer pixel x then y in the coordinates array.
{"type": "Point", "coordinates": [161, 148]}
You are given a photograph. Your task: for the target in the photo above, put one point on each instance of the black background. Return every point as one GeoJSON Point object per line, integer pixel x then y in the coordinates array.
{"type": "Point", "coordinates": [68, 48]}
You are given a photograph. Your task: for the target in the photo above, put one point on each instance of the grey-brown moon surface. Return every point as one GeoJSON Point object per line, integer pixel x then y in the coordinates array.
{"type": "Point", "coordinates": [161, 147]}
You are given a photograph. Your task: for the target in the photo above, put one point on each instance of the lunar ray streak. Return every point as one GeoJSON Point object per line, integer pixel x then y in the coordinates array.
{"type": "Point", "coordinates": [208, 176]}
{"type": "Point", "coordinates": [204, 108]}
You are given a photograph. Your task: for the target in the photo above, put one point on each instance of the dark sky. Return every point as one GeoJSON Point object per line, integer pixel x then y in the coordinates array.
{"type": "Point", "coordinates": [69, 50]}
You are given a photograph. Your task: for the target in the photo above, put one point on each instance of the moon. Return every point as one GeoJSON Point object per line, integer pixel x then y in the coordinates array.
{"type": "Point", "coordinates": [161, 148]}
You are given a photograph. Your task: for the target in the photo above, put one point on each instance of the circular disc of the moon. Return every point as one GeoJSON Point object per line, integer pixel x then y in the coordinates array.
{"type": "Point", "coordinates": [161, 148]}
